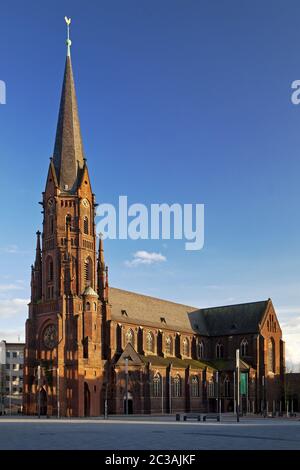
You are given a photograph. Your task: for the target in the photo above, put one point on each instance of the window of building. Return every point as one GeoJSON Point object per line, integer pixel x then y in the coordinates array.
{"type": "Point", "coordinates": [49, 269]}
{"type": "Point", "coordinates": [68, 221]}
{"type": "Point", "coordinates": [169, 346]}
{"type": "Point", "coordinates": [227, 387]}
{"type": "Point", "coordinates": [157, 383]}
{"type": "Point", "coordinates": [88, 272]}
{"type": "Point", "coordinates": [15, 354]}
{"type": "Point", "coordinates": [7, 366]}
{"type": "Point", "coordinates": [7, 354]}
{"type": "Point", "coordinates": [271, 355]}
{"type": "Point", "coordinates": [150, 342]}
{"type": "Point", "coordinates": [86, 225]}
{"type": "Point", "coordinates": [130, 337]}
{"type": "Point", "coordinates": [200, 350]}
{"type": "Point", "coordinates": [186, 347]}
{"type": "Point", "coordinates": [88, 306]}
{"type": "Point", "coordinates": [195, 386]}
{"type": "Point", "coordinates": [219, 351]}
{"type": "Point", "coordinates": [177, 386]}
{"type": "Point", "coordinates": [7, 378]}
{"type": "Point", "coordinates": [210, 389]}
{"type": "Point", "coordinates": [21, 390]}
{"type": "Point", "coordinates": [15, 366]}
{"type": "Point", "coordinates": [244, 348]}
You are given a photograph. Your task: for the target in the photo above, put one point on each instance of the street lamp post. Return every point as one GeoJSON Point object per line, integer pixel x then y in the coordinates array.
{"type": "Point", "coordinates": [126, 385]}
{"type": "Point", "coordinates": [238, 385]}
{"type": "Point", "coordinates": [57, 392]}
{"type": "Point", "coordinates": [39, 390]}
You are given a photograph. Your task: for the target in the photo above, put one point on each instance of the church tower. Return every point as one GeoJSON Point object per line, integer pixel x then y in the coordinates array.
{"type": "Point", "coordinates": [64, 361]}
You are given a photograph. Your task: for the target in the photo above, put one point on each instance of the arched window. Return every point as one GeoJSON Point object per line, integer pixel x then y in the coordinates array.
{"type": "Point", "coordinates": [244, 348]}
{"type": "Point", "coordinates": [210, 388]}
{"type": "Point", "coordinates": [271, 355]}
{"type": "Point", "coordinates": [130, 337]}
{"type": "Point", "coordinates": [200, 349]}
{"type": "Point", "coordinates": [195, 386]}
{"type": "Point", "coordinates": [226, 387]}
{"type": "Point", "coordinates": [219, 351]}
{"type": "Point", "coordinates": [150, 342]}
{"type": "Point", "coordinates": [88, 306]}
{"type": "Point", "coordinates": [49, 268]}
{"type": "Point", "coordinates": [177, 386]}
{"type": "Point", "coordinates": [157, 382]}
{"type": "Point", "coordinates": [86, 225]}
{"type": "Point", "coordinates": [88, 272]}
{"type": "Point", "coordinates": [169, 346]}
{"type": "Point", "coordinates": [68, 221]}
{"type": "Point", "coordinates": [186, 347]}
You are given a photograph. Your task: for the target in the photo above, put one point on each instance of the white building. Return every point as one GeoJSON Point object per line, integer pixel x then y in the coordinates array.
{"type": "Point", "coordinates": [11, 377]}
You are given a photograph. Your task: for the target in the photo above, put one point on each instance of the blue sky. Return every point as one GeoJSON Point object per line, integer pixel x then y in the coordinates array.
{"type": "Point", "coordinates": [179, 101]}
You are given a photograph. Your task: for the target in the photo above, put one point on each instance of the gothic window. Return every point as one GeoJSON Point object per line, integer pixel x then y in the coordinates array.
{"type": "Point", "coordinates": [219, 351]}
{"type": "Point", "coordinates": [157, 385]}
{"type": "Point", "coordinates": [130, 337]}
{"type": "Point", "coordinates": [200, 349]}
{"type": "Point", "coordinates": [86, 225]}
{"type": "Point", "coordinates": [49, 269]}
{"type": "Point", "coordinates": [186, 347]}
{"type": "Point", "coordinates": [244, 348]}
{"type": "Point", "coordinates": [177, 386]}
{"type": "Point", "coordinates": [88, 272]}
{"type": "Point", "coordinates": [68, 221]}
{"type": "Point", "coordinates": [169, 346]}
{"type": "Point", "coordinates": [271, 355]}
{"type": "Point", "coordinates": [195, 386]}
{"type": "Point", "coordinates": [227, 387]}
{"type": "Point", "coordinates": [210, 389]}
{"type": "Point", "coordinates": [150, 342]}
{"type": "Point", "coordinates": [88, 306]}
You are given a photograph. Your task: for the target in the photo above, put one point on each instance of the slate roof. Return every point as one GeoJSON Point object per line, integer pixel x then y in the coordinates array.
{"type": "Point", "coordinates": [234, 319]}
{"type": "Point", "coordinates": [217, 321]}
{"type": "Point", "coordinates": [146, 310]}
{"type": "Point", "coordinates": [68, 155]}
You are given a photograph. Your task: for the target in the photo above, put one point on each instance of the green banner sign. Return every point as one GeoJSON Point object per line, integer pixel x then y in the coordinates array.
{"type": "Point", "coordinates": [243, 383]}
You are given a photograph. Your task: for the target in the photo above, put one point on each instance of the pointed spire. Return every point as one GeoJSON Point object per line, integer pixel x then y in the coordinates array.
{"type": "Point", "coordinates": [101, 270]}
{"type": "Point", "coordinates": [38, 252]}
{"type": "Point", "coordinates": [101, 252]}
{"type": "Point", "coordinates": [68, 156]}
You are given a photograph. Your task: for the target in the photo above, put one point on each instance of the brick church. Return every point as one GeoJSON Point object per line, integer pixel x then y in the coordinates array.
{"type": "Point", "coordinates": [91, 346]}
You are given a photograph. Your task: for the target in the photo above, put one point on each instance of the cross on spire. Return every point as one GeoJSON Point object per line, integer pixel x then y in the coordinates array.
{"type": "Point", "coordinates": [69, 42]}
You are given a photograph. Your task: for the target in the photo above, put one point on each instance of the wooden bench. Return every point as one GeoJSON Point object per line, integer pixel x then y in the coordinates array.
{"type": "Point", "coordinates": [216, 416]}
{"type": "Point", "coordinates": [191, 416]}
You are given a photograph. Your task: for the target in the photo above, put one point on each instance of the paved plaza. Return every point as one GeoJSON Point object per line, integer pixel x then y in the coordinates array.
{"type": "Point", "coordinates": [153, 433]}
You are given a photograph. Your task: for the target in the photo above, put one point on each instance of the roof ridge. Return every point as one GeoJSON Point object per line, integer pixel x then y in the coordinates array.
{"type": "Point", "coordinates": [236, 305]}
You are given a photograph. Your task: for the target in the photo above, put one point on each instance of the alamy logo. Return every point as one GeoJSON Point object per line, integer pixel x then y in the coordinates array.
{"type": "Point", "coordinates": [161, 221]}
{"type": "Point", "coordinates": [2, 92]}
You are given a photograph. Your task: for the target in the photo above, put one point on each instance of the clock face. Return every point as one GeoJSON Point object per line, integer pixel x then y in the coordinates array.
{"type": "Point", "coordinates": [85, 203]}
{"type": "Point", "coordinates": [50, 202]}
{"type": "Point", "coordinates": [50, 336]}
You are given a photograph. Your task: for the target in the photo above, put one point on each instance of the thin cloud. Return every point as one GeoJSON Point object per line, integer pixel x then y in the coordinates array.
{"type": "Point", "coordinates": [145, 257]}
{"type": "Point", "coordinates": [14, 249]}
{"type": "Point", "coordinates": [13, 307]}
{"type": "Point", "coordinates": [7, 287]}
